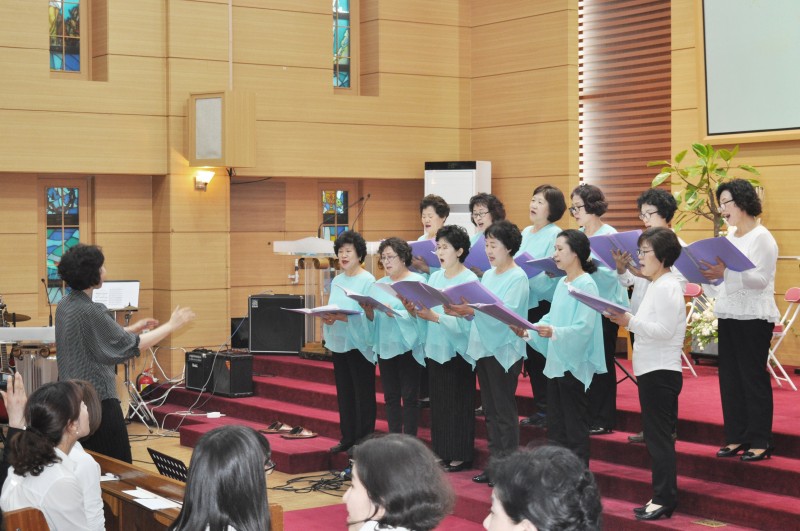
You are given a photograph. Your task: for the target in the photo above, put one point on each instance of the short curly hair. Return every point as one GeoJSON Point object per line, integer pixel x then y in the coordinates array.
{"type": "Point", "coordinates": [594, 201]}
{"type": "Point", "coordinates": [507, 233]}
{"type": "Point", "coordinates": [80, 266]}
{"type": "Point", "coordinates": [400, 474]}
{"type": "Point", "coordinates": [743, 194]}
{"type": "Point", "coordinates": [353, 238]}
{"type": "Point", "coordinates": [495, 207]}
{"type": "Point", "coordinates": [457, 236]}
{"type": "Point", "coordinates": [550, 487]}
{"type": "Point", "coordinates": [661, 199]}
{"type": "Point", "coordinates": [556, 204]}
{"type": "Point", "coordinates": [398, 245]}
{"type": "Point", "coordinates": [438, 203]}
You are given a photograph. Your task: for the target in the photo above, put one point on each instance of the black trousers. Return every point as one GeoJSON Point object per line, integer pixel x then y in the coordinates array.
{"type": "Point", "coordinates": [452, 387]}
{"type": "Point", "coordinates": [744, 382]}
{"type": "Point", "coordinates": [498, 390]}
{"type": "Point", "coordinates": [534, 364]}
{"type": "Point", "coordinates": [355, 392]}
{"type": "Point", "coordinates": [568, 414]}
{"type": "Point", "coordinates": [400, 377]}
{"type": "Point", "coordinates": [603, 391]}
{"type": "Point", "coordinates": [111, 438]}
{"type": "Point", "coordinates": [658, 397]}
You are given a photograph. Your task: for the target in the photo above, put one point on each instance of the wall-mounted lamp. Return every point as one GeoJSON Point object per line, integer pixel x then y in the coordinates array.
{"type": "Point", "coordinates": [202, 178]}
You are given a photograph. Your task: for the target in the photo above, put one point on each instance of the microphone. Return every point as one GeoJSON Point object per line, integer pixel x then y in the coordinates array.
{"type": "Point", "coordinates": [354, 203]}
{"type": "Point", "coordinates": [360, 211]}
{"type": "Point", "coordinates": [49, 304]}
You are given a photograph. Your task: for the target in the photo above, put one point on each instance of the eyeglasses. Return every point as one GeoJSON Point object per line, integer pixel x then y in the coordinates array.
{"type": "Point", "coordinates": [641, 252]}
{"type": "Point", "coordinates": [723, 204]}
{"type": "Point", "coordinates": [574, 209]}
{"type": "Point", "coordinates": [479, 215]}
{"type": "Point", "coordinates": [644, 216]}
{"type": "Point", "coordinates": [269, 466]}
{"type": "Point", "coordinates": [388, 258]}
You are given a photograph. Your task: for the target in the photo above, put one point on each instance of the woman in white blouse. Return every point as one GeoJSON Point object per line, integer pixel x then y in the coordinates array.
{"type": "Point", "coordinates": [746, 313]}
{"type": "Point", "coordinates": [660, 326]}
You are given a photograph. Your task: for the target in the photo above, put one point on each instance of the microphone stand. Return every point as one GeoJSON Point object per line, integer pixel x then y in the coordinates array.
{"type": "Point", "coordinates": [360, 210]}
{"type": "Point", "coordinates": [49, 304]}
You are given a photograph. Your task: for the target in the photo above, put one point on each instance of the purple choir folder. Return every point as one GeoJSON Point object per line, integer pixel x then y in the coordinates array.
{"type": "Point", "coordinates": [426, 249]}
{"type": "Point", "coordinates": [688, 263]}
{"type": "Point", "coordinates": [623, 241]}
{"type": "Point", "coordinates": [419, 293]}
{"type": "Point", "coordinates": [604, 306]}
{"type": "Point", "coordinates": [473, 292]}
{"type": "Point", "coordinates": [504, 315]}
{"type": "Point", "coordinates": [366, 299]}
{"type": "Point", "coordinates": [477, 255]}
{"type": "Point", "coordinates": [542, 265]}
{"type": "Point", "coordinates": [319, 311]}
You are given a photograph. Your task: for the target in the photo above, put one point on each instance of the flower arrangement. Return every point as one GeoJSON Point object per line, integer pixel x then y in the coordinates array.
{"type": "Point", "coordinates": [702, 327]}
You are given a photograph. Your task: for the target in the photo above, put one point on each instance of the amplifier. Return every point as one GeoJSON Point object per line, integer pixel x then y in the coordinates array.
{"type": "Point", "coordinates": [273, 329]}
{"type": "Point", "coordinates": [224, 373]}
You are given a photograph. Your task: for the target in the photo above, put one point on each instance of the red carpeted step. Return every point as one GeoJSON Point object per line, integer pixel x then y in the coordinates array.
{"type": "Point", "coordinates": [717, 501]}
{"type": "Point", "coordinates": [335, 517]}
{"type": "Point", "coordinates": [618, 515]}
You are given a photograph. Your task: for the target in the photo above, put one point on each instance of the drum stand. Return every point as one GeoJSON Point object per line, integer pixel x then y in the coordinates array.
{"type": "Point", "coordinates": [136, 404]}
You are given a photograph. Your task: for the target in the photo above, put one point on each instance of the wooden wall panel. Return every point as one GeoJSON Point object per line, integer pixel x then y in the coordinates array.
{"type": "Point", "coordinates": [442, 12]}
{"type": "Point", "coordinates": [20, 259]}
{"type": "Point", "coordinates": [18, 203]}
{"type": "Point", "coordinates": [271, 37]}
{"type": "Point", "coordinates": [684, 80]}
{"type": "Point", "coordinates": [530, 96]}
{"type": "Point", "coordinates": [123, 203]}
{"type": "Point", "coordinates": [258, 206]}
{"type": "Point", "coordinates": [494, 11]}
{"type": "Point", "coordinates": [424, 49]}
{"type": "Point", "coordinates": [129, 256]}
{"type": "Point", "coordinates": [197, 30]}
{"type": "Point", "coordinates": [26, 26]}
{"type": "Point", "coordinates": [254, 262]}
{"type": "Point", "coordinates": [127, 37]}
{"type": "Point", "coordinates": [535, 42]}
{"type": "Point", "coordinates": [536, 149]}
{"type": "Point", "coordinates": [129, 144]}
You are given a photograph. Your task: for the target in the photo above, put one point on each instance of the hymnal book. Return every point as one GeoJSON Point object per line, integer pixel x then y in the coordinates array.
{"type": "Point", "coordinates": [504, 315]}
{"type": "Point", "coordinates": [473, 292]}
{"type": "Point", "coordinates": [419, 293]}
{"type": "Point", "coordinates": [477, 255]}
{"type": "Point", "coordinates": [542, 265]}
{"type": "Point", "coordinates": [366, 299]}
{"type": "Point", "coordinates": [604, 306]}
{"type": "Point", "coordinates": [603, 245]}
{"type": "Point", "coordinates": [688, 263]}
{"type": "Point", "coordinates": [322, 310]}
{"type": "Point", "coordinates": [426, 249]}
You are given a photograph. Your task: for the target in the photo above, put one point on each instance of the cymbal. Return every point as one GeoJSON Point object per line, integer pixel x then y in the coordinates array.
{"type": "Point", "coordinates": [20, 317]}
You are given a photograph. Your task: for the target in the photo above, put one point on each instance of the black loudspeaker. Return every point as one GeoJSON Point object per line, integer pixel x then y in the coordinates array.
{"type": "Point", "coordinates": [240, 332]}
{"type": "Point", "coordinates": [233, 374]}
{"type": "Point", "coordinates": [198, 370]}
{"type": "Point", "coordinates": [273, 330]}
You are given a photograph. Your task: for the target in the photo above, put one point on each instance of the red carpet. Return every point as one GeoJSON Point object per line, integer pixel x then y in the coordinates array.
{"type": "Point", "coordinates": [761, 495]}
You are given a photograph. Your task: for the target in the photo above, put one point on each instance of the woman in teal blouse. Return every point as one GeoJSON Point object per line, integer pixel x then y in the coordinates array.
{"type": "Point", "coordinates": [451, 376]}
{"type": "Point", "coordinates": [396, 341]}
{"type": "Point", "coordinates": [571, 339]}
{"type": "Point", "coordinates": [347, 336]}
{"type": "Point", "coordinates": [546, 207]}
{"type": "Point", "coordinates": [497, 351]}
{"type": "Point", "coordinates": [588, 204]}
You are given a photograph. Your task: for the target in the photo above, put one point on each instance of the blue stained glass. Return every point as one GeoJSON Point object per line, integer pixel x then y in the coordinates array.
{"type": "Point", "coordinates": [72, 20]}
{"type": "Point", "coordinates": [56, 61]}
{"type": "Point", "coordinates": [341, 79]}
{"type": "Point", "coordinates": [341, 6]}
{"type": "Point", "coordinates": [73, 63]}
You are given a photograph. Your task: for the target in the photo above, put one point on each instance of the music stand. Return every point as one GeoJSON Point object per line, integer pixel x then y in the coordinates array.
{"type": "Point", "coordinates": [168, 465]}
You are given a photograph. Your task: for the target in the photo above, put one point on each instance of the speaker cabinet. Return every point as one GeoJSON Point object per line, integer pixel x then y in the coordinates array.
{"type": "Point", "coordinates": [198, 370]}
{"type": "Point", "coordinates": [273, 330]}
{"type": "Point", "coordinates": [233, 375]}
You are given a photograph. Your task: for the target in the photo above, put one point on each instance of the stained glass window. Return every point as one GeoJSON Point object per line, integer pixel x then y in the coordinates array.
{"type": "Point", "coordinates": [335, 216]}
{"type": "Point", "coordinates": [65, 35]}
{"type": "Point", "coordinates": [341, 43]}
{"type": "Point", "coordinates": [62, 233]}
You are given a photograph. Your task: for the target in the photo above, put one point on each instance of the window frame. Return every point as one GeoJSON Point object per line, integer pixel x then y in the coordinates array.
{"type": "Point", "coordinates": [85, 46]}
{"type": "Point", "coordinates": [355, 49]}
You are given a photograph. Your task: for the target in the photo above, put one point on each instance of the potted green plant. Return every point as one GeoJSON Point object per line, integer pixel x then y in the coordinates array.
{"type": "Point", "coordinates": [698, 182]}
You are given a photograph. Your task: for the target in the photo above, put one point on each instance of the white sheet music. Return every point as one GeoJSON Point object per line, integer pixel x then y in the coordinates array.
{"type": "Point", "coordinates": [118, 294]}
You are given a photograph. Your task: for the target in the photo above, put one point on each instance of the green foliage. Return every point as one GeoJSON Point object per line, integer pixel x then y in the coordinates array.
{"type": "Point", "coordinates": [699, 181]}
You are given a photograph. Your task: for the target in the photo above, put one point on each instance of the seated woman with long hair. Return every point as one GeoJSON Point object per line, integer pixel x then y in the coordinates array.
{"type": "Point", "coordinates": [397, 485]}
{"type": "Point", "coordinates": [545, 488]}
{"type": "Point", "coordinates": [42, 475]}
{"type": "Point", "coordinates": [226, 488]}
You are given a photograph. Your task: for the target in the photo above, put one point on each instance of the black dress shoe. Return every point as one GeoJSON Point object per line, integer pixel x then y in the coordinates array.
{"type": "Point", "coordinates": [483, 477]}
{"type": "Point", "coordinates": [597, 430]}
{"type": "Point", "coordinates": [752, 456]}
{"type": "Point", "coordinates": [726, 451]}
{"type": "Point", "coordinates": [341, 447]}
{"type": "Point", "coordinates": [465, 465]}
{"type": "Point", "coordinates": [636, 438]}
{"type": "Point", "coordinates": [538, 420]}
{"type": "Point", "coordinates": [665, 511]}
{"type": "Point", "coordinates": [640, 510]}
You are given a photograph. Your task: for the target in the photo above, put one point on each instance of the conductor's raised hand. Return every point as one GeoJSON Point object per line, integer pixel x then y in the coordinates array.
{"type": "Point", "coordinates": [180, 317]}
{"type": "Point", "coordinates": [141, 325]}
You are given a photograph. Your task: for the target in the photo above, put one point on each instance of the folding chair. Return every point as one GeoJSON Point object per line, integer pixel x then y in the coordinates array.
{"type": "Point", "coordinates": [694, 292]}
{"type": "Point", "coordinates": [779, 332]}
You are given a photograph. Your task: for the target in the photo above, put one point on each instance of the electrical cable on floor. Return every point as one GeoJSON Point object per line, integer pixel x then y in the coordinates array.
{"type": "Point", "coordinates": [332, 483]}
